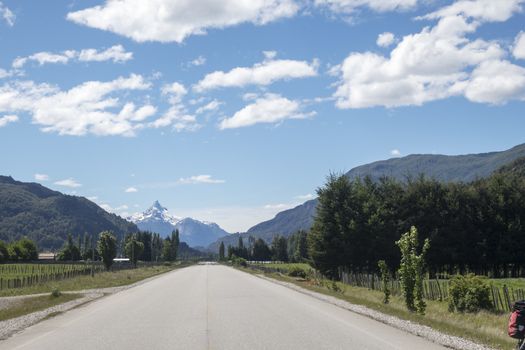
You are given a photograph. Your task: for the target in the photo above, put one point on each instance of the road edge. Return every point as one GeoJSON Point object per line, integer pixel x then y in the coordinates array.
{"type": "Point", "coordinates": [410, 327]}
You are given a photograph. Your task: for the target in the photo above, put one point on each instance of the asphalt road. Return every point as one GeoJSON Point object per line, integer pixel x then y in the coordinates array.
{"type": "Point", "coordinates": [212, 307]}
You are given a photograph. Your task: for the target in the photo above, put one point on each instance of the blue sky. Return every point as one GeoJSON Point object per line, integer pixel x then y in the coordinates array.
{"type": "Point", "coordinates": [232, 111]}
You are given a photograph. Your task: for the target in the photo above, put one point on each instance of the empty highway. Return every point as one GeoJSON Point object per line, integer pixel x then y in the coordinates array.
{"type": "Point", "coordinates": [212, 307]}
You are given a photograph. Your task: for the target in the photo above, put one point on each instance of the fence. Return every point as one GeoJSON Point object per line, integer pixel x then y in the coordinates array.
{"type": "Point", "coordinates": [31, 274]}
{"type": "Point", "coordinates": [502, 297]}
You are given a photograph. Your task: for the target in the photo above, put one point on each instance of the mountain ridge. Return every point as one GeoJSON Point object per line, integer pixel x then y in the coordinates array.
{"type": "Point", "coordinates": [47, 216]}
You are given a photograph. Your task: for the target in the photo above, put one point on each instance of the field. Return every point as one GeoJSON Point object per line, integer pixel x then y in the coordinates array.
{"type": "Point", "coordinates": [34, 304]}
{"type": "Point", "coordinates": [485, 327]}
{"type": "Point", "coordinates": [83, 281]}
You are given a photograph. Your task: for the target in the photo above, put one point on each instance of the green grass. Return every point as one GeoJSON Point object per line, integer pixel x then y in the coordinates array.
{"type": "Point", "coordinates": [33, 304]}
{"type": "Point", "coordinates": [285, 267]}
{"type": "Point", "coordinates": [516, 283]}
{"type": "Point", "coordinates": [483, 327]}
{"type": "Point", "coordinates": [100, 280]}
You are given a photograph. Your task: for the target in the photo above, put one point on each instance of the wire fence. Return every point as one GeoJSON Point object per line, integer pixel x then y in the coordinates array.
{"type": "Point", "coordinates": [502, 297]}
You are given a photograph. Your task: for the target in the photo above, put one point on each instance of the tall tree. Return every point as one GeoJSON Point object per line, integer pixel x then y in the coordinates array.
{"type": "Point", "coordinates": [261, 251]}
{"type": "Point", "coordinates": [134, 249]}
{"type": "Point", "coordinates": [279, 248]}
{"type": "Point", "coordinates": [107, 248]}
{"type": "Point", "coordinates": [221, 251]}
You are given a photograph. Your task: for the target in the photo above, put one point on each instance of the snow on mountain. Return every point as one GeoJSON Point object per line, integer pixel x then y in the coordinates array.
{"type": "Point", "coordinates": [194, 232]}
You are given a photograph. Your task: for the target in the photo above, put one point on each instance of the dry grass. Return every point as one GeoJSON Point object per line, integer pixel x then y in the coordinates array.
{"type": "Point", "coordinates": [33, 304]}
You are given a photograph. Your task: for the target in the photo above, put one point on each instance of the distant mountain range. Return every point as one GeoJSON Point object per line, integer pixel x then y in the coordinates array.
{"type": "Point", "coordinates": [461, 168]}
{"type": "Point", "coordinates": [47, 216]}
{"type": "Point", "coordinates": [194, 232]}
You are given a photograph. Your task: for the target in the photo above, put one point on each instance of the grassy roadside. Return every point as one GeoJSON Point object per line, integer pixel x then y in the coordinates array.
{"type": "Point", "coordinates": [33, 304]}
{"type": "Point", "coordinates": [100, 280]}
{"type": "Point", "coordinates": [483, 327]}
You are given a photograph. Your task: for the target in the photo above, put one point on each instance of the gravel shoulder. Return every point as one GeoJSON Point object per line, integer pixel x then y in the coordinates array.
{"type": "Point", "coordinates": [15, 325]}
{"type": "Point", "coordinates": [426, 332]}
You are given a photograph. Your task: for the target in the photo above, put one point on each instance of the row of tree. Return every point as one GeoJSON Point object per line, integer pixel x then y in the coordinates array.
{"type": "Point", "coordinates": [22, 250]}
{"type": "Point", "coordinates": [293, 249]}
{"type": "Point", "coordinates": [473, 227]}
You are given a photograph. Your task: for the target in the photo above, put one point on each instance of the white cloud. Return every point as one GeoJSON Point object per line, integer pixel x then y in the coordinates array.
{"type": "Point", "coordinates": [495, 82]}
{"type": "Point", "coordinates": [41, 177]}
{"type": "Point", "coordinates": [270, 108]}
{"type": "Point", "coordinates": [168, 20]}
{"type": "Point", "coordinates": [395, 153]}
{"type": "Point", "coordinates": [8, 16]}
{"type": "Point", "coordinates": [209, 107]}
{"type": "Point", "coordinates": [199, 61]}
{"type": "Point", "coordinates": [71, 183]}
{"type": "Point", "coordinates": [385, 39]}
{"type": "Point", "coordinates": [264, 73]}
{"type": "Point", "coordinates": [8, 119]}
{"type": "Point", "coordinates": [350, 6]}
{"type": "Point", "coordinates": [131, 190]}
{"type": "Point", "coordinates": [483, 10]}
{"type": "Point", "coordinates": [306, 197]}
{"type": "Point", "coordinates": [519, 46]}
{"type": "Point", "coordinates": [88, 108]}
{"type": "Point", "coordinates": [115, 53]}
{"type": "Point", "coordinates": [200, 179]}
{"type": "Point", "coordinates": [93, 198]}
{"type": "Point", "coordinates": [436, 63]}
{"type": "Point", "coordinates": [278, 206]}
{"type": "Point", "coordinates": [177, 116]}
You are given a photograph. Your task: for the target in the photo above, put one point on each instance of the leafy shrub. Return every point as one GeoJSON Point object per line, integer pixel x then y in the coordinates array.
{"type": "Point", "coordinates": [237, 261]}
{"type": "Point", "coordinates": [55, 293]}
{"type": "Point", "coordinates": [469, 293]}
{"type": "Point", "coordinates": [385, 280]}
{"type": "Point", "coordinates": [297, 271]}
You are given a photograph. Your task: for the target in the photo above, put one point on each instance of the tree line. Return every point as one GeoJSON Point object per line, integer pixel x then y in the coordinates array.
{"type": "Point", "coordinates": [291, 249]}
{"type": "Point", "coordinates": [473, 227]}
{"type": "Point", "coordinates": [143, 246]}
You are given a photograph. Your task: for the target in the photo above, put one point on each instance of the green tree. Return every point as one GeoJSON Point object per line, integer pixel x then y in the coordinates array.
{"type": "Point", "coordinates": [329, 241]}
{"type": "Point", "coordinates": [221, 251]}
{"type": "Point", "coordinates": [279, 248]}
{"type": "Point", "coordinates": [261, 251]}
{"type": "Point", "coordinates": [107, 248]}
{"type": "Point", "coordinates": [411, 269]}
{"type": "Point", "coordinates": [23, 250]}
{"type": "Point", "coordinates": [69, 252]}
{"type": "Point", "coordinates": [134, 249]}
{"type": "Point", "coordinates": [4, 254]}
{"type": "Point", "coordinates": [171, 246]}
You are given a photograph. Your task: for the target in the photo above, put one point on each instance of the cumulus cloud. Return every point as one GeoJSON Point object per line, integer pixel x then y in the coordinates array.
{"type": "Point", "coordinates": [168, 21]}
{"type": "Point", "coordinates": [8, 119]}
{"type": "Point", "coordinates": [176, 116]}
{"type": "Point", "coordinates": [200, 179]}
{"type": "Point", "coordinates": [347, 7]}
{"type": "Point", "coordinates": [264, 73]}
{"type": "Point", "coordinates": [71, 183]}
{"type": "Point", "coordinates": [395, 153]}
{"type": "Point", "coordinates": [41, 177]}
{"type": "Point", "coordinates": [209, 107]}
{"type": "Point", "coordinates": [385, 39]}
{"type": "Point", "coordinates": [270, 108]}
{"type": "Point", "coordinates": [8, 16]}
{"type": "Point", "coordinates": [519, 46]}
{"type": "Point", "coordinates": [88, 108]}
{"type": "Point", "coordinates": [131, 190]}
{"type": "Point", "coordinates": [115, 53]}
{"type": "Point", "coordinates": [436, 63]}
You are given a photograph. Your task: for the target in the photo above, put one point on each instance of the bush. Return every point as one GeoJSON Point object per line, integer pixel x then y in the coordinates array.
{"type": "Point", "coordinates": [55, 293]}
{"type": "Point", "coordinates": [297, 271]}
{"type": "Point", "coordinates": [239, 261]}
{"type": "Point", "coordinates": [469, 293]}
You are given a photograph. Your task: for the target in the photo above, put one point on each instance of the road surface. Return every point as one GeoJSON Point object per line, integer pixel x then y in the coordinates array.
{"type": "Point", "coordinates": [212, 307]}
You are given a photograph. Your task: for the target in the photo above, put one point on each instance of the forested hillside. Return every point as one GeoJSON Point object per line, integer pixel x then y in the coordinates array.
{"type": "Point", "coordinates": [47, 216]}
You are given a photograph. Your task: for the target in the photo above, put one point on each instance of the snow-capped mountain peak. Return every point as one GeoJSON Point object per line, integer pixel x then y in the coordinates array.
{"type": "Point", "coordinates": [194, 232]}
